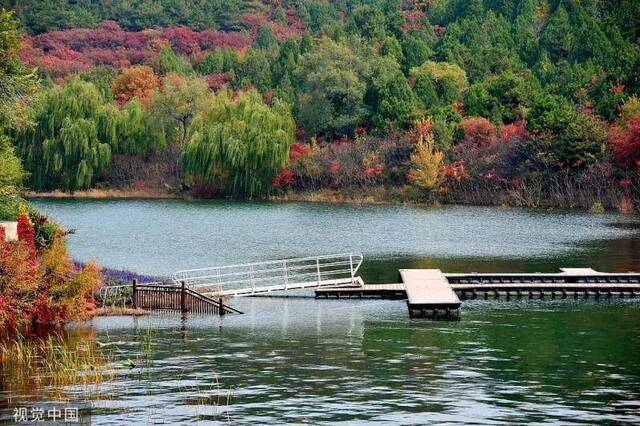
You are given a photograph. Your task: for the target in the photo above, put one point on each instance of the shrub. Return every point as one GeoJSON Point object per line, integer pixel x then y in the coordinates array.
{"type": "Point", "coordinates": [9, 207]}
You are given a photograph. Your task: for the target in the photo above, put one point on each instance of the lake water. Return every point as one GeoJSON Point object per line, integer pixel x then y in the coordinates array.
{"type": "Point", "coordinates": [295, 359]}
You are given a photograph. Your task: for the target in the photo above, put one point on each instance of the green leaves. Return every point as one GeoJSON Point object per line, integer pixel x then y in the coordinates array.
{"type": "Point", "coordinates": [236, 145]}
{"type": "Point", "coordinates": [75, 134]}
{"type": "Point", "coordinates": [11, 173]}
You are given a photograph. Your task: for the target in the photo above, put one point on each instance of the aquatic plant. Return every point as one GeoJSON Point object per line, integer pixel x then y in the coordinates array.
{"type": "Point", "coordinates": [29, 364]}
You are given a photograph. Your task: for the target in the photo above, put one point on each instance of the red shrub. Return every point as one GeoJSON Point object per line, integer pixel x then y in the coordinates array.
{"type": "Point", "coordinates": [478, 132]}
{"type": "Point", "coordinates": [624, 140]}
{"type": "Point", "coordinates": [334, 168]}
{"type": "Point", "coordinates": [374, 171]}
{"type": "Point", "coordinates": [217, 81]}
{"type": "Point", "coordinates": [284, 179]}
{"type": "Point", "coordinates": [515, 132]}
{"type": "Point", "coordinates": [62, 53]}
{"type": "Point", "coordinates": [27, 235]}
{"type": "Point", "coordinates": [298, 150]}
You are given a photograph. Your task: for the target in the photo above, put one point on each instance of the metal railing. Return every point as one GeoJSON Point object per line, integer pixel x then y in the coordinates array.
{"type": "Point", "coordinates": [274, 275]}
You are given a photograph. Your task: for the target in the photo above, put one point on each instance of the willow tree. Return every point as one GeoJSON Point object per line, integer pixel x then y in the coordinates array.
{"type": "Point", "coordinates": [138, 130]}
{"type": "Point", "coordinates": [237, 144]}
{"type": "Point", "coordinates": [71, 141]}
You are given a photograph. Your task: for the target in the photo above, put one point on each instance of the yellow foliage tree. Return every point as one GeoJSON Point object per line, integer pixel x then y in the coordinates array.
{"type": "Point", "coordinates": [426, 160]}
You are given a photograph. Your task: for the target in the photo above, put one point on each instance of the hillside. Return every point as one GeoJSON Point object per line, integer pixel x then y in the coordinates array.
{"type": "Point", "coordinates": [518, 102]}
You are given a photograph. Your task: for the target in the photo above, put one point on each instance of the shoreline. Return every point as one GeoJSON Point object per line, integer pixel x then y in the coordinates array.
{"type": "Point", "coordinates": [323, 196]}
{"type": "Point", "coordinates": [104, 194]}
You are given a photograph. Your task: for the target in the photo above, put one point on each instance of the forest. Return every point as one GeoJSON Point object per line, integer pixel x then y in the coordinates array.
{"type": "Point", "coordinates": [504, 102]}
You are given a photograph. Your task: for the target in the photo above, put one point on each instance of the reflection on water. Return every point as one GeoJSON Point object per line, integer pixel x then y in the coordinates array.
{"type": "Point", "coordinates": [297, 359]}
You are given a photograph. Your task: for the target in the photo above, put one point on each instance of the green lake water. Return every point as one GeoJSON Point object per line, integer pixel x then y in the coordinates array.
{"type": "Point", "coordinates": [296, 359]}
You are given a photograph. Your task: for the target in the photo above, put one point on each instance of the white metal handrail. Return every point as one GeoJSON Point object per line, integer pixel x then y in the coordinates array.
{"type": "Point", "coordinates": [273, 275]}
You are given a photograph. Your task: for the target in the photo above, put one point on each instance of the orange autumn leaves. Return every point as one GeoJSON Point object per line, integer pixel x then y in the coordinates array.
{"type": "Point", "coordinates": [40, 285]}
{"type": "Point", "coordinates": [135, 82]}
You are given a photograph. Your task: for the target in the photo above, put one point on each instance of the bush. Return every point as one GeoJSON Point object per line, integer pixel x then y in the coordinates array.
{"type": "Point", "coordinates": [9, 207]}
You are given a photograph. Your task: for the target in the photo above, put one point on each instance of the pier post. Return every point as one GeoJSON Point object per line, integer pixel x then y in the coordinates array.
{"type": "Point", "coordinates": [221, 307]}
{"type": "Point", "coordinates": [134, 294]}
{"type": "Point", "coordinates": [183, 297]}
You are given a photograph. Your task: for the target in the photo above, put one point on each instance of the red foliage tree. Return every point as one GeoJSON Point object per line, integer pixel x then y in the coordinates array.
{"type": "Point", "coordinates": [478, 132]}
{"type": "Point", "coordinates": [624, 140]}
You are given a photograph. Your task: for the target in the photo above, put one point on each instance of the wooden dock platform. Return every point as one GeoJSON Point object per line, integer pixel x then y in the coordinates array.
{"type": "Point", "coordinates": [570, 283]}
{"type": "Point", "coordinates": [429, 294]}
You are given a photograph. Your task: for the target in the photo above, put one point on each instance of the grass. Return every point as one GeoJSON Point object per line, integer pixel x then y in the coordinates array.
{"type": "Point", "coordinates": [115, 311]}
{"type": "Point", "coordinates": [32, 364]}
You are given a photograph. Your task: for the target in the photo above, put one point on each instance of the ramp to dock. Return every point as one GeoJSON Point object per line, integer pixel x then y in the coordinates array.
{"type": "Point", "coordinates": [256, 278]}
{"type": "Point", "coordinates": [429, 294]}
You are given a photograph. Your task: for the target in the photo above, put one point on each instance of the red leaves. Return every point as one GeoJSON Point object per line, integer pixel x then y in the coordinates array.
{"type": "Point", "coordinates": [617, 88]}
{"type": "Point", "coordinates": [27, 235]}
{"type": "Point", "coordinates": [217, 81]}
{"type": "Point", "coordinates": [624, 140]}
{"type": "Point", "coordinates": [455, 170]}
{"type": "Point", "coordinates": [375, 170]}
{"type": "Point", "coordinates": [334, 168]}
{"type": "Point", "coordinates": [478, 132]}
{"type": "Point", "coordinates": [41, 287]}
{"type": "Point", "coordinates": [515, 132]}
{"type": "Point", "coordinates": [423, 128]}
{"type": "Point", "coordinates": [62, 53]}
{"type": "Point", "coordinates": [298, 150]}
{"type": "Point", "coordinates": [284, 179]}
{"type": "Point", "coordinates": [253, 21]}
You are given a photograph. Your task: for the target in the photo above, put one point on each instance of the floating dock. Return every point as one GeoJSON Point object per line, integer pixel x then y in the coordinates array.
{"type": "Point", "coordinates": [433, 294]}
{"type": "Point", "coordinates": [429, 294]}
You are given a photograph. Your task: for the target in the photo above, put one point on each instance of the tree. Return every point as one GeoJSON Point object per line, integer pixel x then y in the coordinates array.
{"type": "Point", "coordinates": [557, 37]}
{"type": "Point", "coordinates": [266, 39]}
{"type": "Point", "coordinates": [624, 140]}
{"type": "Point", "coordinates": [331, 98]}
{"type": "Point", "coordinates": [255, 70]}
{"type": "Point", "coordinates": [135, 82]}
{"type": "Point", "coordinates": [11, 173]}
{"type": "Point", "coordinates": [370, 21]}
{"type": "Point", "coordinates": [41, 285]}
{"type": "Point", "coordinates": [175, 105]}
{"type": "Point", "coordinates": [168, 61]}
{"type": "Point", "coordinates": [439, 83]}
{"type": "Point", "coordinates": [71, 142]}
{"type": "Point", "coordinates": [237, 145]}
{"type": "Point", "coordinates": [391, 97]}
{"type": "Point", "coordinates": [426, 160]}
{"type": "Point", "coordinates": [17, 84]}
{"type": "Point", "coordinates": [391, 47]}
{"type": "Point", "coordinates": [137, 130]}
{"type": "Point", "coordinates": [575, 139]}
{"type": "Point", "coordinates": [416, 49]}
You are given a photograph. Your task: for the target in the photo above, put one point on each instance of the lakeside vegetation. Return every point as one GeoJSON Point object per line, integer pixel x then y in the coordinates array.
{"type": "Point", "coordinates": [514, 102]}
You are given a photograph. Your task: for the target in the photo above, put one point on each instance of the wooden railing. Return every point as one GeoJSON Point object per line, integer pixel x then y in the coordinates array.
{"type": "Point", "coordinates": [164, 297]}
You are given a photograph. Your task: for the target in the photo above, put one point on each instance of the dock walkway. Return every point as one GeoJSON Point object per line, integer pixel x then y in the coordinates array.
{"type": "Point", "coordinates": [427, 288]}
